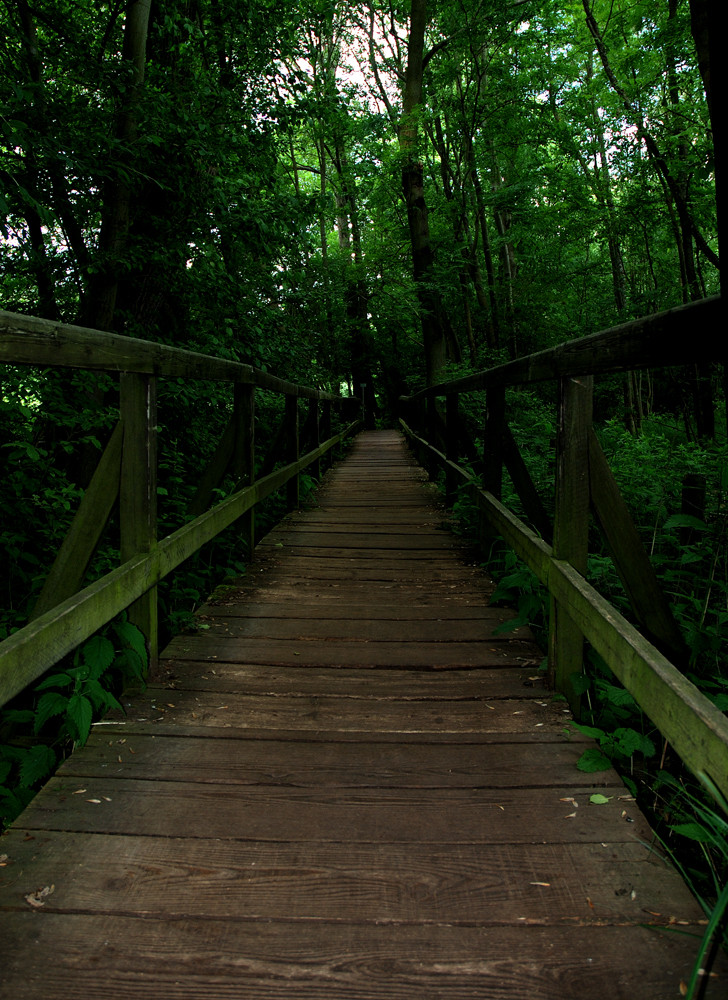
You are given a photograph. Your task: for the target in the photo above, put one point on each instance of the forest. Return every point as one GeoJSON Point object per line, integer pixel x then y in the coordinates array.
{"type": "Point", "coordinates": [367, 198]}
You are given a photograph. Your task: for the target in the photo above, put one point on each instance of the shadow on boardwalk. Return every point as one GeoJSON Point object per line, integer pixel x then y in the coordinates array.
{"type": "Point", "coordinates": [347, 785]}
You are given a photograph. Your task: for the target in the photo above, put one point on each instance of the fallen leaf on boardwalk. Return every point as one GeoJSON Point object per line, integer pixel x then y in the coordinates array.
{"type": "Point", "coordinates": [591, 905]}
{"type": "Point", "coordinates": [106, 797]}
{"type": "Point", "coordinates": [79, 791]}
{"type": "Point", "coordinates": [547, 884]}
{"type": "Point", "coordinates": [598, 799]}
{"type": "Point", "coordinates": [572, 800]}
{"type": "Point", "coordinates": [96, 802]}
{"type": "Point", "coordinates": [683, 988]}
{"type": "Point", "coordinates": [3, 860]}
{"type": "Point", "coordinates": [570, 816]}
{"type": "Point", "coordinates": [39, 897]}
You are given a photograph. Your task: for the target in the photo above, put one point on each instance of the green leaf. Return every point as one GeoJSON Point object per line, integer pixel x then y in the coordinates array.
{"type": "Point", "coordinates": [598, 799]}
{"type": "Point", "coordinates": [37, 764]}
{"type": "Point", "coordinates": [98, 655]}
{"type": "Point", "coordinates": [685, 521]}
{"type": "Point", "coordinates": [592, 731]}
{"type": "Point", "coordinates": [131, 636]}
{"type": "Point", "coordinates": [55, 680]}
{"type": "Point", "coordinates": [50, 704]}
{"type": "Point", "coordinates": [629, 741]}
{"type": "Point", "coordinates": [100, 696]}
{"type": "Point", "coordinates": [80, 714]}
{"type": "Point", "coordinates": [593, 760]}
{"type": "Point", "coordinates": [694, 831]}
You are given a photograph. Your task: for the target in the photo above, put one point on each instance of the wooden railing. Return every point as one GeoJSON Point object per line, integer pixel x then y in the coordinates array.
{"type": "Point", "coordinates": [646, 661]}
{"type": "Point", "coordinates": [66, 614]}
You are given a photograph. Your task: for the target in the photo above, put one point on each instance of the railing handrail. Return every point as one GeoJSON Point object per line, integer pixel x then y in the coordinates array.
{"type": "Point", "coordinates": [656, 341]}
{"type": "Point", "coordinates": [30, 340]}
{"type": "Point", "coordinates": [67, 613]}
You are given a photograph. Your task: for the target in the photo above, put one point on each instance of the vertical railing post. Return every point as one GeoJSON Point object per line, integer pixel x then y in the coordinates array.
{"type": "Point", "coordinates": [244, 455]}
{"type": "Point", "coordinates": [571, 526]}
{"type": "Point", "coordinates": [452, 427]}
{"type": "Point", "coordinates": [313, 420]}
{"type": "Point", "coordinates": [495, 417]}
{"type": "Point", "coordinates": [138, 493]}
{"type": "Point", "coordinates": [325, 430]}
{"type": "Point", "coordinates": [292, 446]}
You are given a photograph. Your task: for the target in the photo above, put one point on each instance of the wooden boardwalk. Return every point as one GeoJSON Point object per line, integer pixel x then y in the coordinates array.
{"type": "Point", "coordinates": [348, 786]}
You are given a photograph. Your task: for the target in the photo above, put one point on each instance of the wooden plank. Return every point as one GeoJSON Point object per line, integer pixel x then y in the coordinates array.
{"type": "Point", "coordinates": [653, 340]}
{"type": "Point", "coordinates": [242, 679]}
{"type": "Point", "coordinates": [212, 959]}
{"type": "Point", "coordinates": [299, 762]}
{"type": "Point", "coordinates": [278, 814]}
{"type": "Point", "coordinates": [581, 883]}
{"type": "Point", "coordinates": [359, 629]}
{"type": "Point", "coordinates": [197, 710]}
{"type": "Point", "coordinates": [422, 655]}
{"type": "Point", "coordinates": [34, 341]}
{"type": "Point", "coordinates": [360, 542]}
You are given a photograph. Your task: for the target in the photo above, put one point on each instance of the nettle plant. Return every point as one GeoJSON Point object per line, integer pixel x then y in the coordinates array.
{"type": "Point", "coordinates": [64, 706]}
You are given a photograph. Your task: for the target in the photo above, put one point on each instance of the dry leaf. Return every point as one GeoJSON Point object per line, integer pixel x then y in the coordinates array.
{"type": "Point", "coordinates": [570, 816]}
{"type": "Point", "coordinates": [38, 898]}
{"type": "Point", "coordinates": [96, 802]}
{"type": "Point", "coordinates": [547, 884]}
{"type": "Point", "coordinates": [683, 988]}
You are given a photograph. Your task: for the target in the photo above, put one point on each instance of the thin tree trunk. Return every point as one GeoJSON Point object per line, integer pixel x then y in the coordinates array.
{"type": "Point", "coordinates": [413, 187]}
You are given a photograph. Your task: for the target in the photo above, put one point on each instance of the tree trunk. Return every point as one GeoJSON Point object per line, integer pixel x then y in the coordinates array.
{"type": "Point", "coordinates": [117, 194]}
{"type": "Point", "coordinates": [413, 187]}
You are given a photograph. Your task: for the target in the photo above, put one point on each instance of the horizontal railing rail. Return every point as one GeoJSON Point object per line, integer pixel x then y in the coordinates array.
{"type": "Point", "coordinates": [646, 660]}
{"type": "Point", "coordinates": [67, 613]}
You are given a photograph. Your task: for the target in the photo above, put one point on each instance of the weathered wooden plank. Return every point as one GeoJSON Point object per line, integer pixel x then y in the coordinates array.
{"type": "Point", "coordinates": [91, 957]}
{"type": "Point", "coordinates": [423, 655]}
{"type": "Point", "coordinates": [231, 603]}
{"type": "Point", "coordinates": [573, 884]}
{"type": "Point", "coordinates": [359, 629]}
{"type": "Point", "coordinates": [358, 542]}
{"type": "Point", "coordinates": [34, 341]}
{"type": "Point", "coordinates": [509, 682]}
{"type": "Point", "coordinates": [300, 762]}
{"type": "Point", "coordinates": [325, 815]}
{"type": "Point", "coordinates": [305, 713]}
{"type": "Point", "coordinates": [633, 345]}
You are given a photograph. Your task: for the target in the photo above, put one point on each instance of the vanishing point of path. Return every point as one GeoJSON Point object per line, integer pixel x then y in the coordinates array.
{"type": "Point", "coordinates": [349, 785]}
